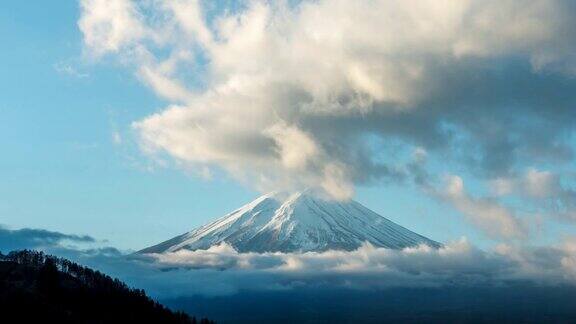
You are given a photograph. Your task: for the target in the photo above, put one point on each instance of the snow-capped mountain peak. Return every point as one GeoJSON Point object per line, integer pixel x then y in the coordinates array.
{"type": "Point", "coordinates": [290, 222]}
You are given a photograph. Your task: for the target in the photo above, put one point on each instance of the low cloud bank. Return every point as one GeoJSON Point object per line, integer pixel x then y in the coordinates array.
{"type": "Point", "coordinates": [221, 270]}
{"type": "Point", "coordinates": [456, 264]}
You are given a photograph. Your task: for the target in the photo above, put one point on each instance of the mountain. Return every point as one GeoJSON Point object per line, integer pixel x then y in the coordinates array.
{"type": "Point", "coordinates": [39, 288]}
{"type": "Point", "coordinates": [298, 222]}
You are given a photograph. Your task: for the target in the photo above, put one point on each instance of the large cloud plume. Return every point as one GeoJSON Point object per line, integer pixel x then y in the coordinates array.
{"type": "Point", "coordinates": [334, 93]}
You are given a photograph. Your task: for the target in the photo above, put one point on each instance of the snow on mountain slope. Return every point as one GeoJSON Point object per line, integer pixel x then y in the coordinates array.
{"type": "Point", "coordinates": [278, 222]}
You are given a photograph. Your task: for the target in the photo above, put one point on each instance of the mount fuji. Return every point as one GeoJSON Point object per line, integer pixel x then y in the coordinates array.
{"type": "Point", "coordinates": [297, 222]}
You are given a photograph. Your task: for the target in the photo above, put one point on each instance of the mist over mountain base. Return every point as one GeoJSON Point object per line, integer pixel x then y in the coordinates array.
{"type": "Point", "coordinates": [513, 304]}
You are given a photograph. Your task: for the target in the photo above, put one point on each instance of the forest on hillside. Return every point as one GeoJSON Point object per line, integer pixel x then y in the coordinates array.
{"type": "Point", "coordinates": [35, 287]}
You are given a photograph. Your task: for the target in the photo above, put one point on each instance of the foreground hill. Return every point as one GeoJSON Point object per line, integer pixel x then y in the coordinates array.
{"type": "Point", "coordinates": [36, 288]}
{"type": "Point", "coordinates": [298, 222]}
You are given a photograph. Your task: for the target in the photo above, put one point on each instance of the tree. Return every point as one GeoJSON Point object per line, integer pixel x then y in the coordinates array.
{"type": "Point", "coordinates": [62, 291]}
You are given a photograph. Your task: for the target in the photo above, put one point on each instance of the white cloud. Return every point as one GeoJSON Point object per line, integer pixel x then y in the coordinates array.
{"type": "Point", "coordinates": [458, 263]}
{"type": "Point", "coordinates": [68, 69]}
{"type": "Point", "coordinates": [569, 259]}
{"type": "Point", "coordinates": [310, 95]}
{"type": "Point", "coordinates": [541, 189]}
{"type": "Point", "coordinates": [487, 214]}
{"type": "Point", "coordinates": [534, 183]}
{"type": "Point", "coordinates": [295, 148]}
{"type": "Point", "coordinates": [367, 258]}
{"type": "Point", "coordinates": [109, 26]}
{"type": "Point", "coordinates": [164, 85]}
{"type": "Point", "coordinates": [188, 15]}
{"type": "Point", "coordinates": [116, 138]}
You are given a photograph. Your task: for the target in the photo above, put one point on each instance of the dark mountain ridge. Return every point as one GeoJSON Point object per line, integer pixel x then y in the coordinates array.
{"type": "Point", "coordinates": [39, 288]}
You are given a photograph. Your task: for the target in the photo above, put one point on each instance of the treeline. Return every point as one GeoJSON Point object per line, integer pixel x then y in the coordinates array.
{"type": "Point", "coordinates": [39, 287]}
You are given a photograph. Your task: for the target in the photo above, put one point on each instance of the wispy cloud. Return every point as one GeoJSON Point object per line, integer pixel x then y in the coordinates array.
{"type": "Point", "coordinates": [489, 215]}
{"type": "Point", "coordinates": [544, 190]}
{"type": "Point", "coordinates": [69, 70]}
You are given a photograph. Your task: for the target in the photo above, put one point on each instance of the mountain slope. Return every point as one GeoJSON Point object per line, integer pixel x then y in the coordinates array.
{"type": "Point", "coordinates": [38, 288]}
{"type": "Point", "coordinates": [279, 222]}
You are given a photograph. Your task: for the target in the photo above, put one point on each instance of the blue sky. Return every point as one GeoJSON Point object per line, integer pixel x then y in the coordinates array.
{"type": "Point", "coordinates": [71, 160]}
{"type": "Point", "coordinates": [60, 168]}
